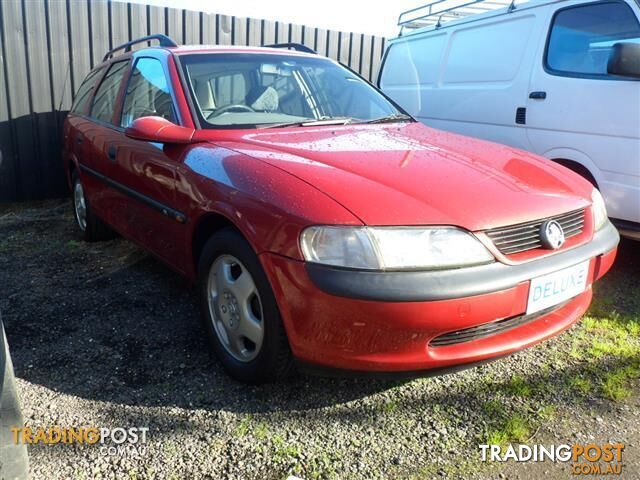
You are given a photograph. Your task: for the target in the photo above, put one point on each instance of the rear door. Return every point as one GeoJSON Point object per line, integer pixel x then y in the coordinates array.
{"type": "Point", "coordinates": [100, 134]}
{"type": "Point", "coordinates": [148, 170]}
{"type": "Point", "coordinates": [581, 112]}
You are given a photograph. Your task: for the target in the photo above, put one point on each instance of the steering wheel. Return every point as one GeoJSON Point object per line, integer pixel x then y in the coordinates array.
{"type": "Point", "coordinates": [228, 108]}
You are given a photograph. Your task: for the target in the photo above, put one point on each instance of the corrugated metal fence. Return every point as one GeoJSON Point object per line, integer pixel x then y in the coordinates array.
{"type": "Point", "coordinates": [48, 46]}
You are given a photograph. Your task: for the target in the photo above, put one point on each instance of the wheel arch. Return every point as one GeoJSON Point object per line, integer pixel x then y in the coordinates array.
{"type": "Point", "coordinates": [578, 168]}
{"type": "Point", "coordinates": [578, 162]}
{"type": "Point", "coordinates": [205, 226]}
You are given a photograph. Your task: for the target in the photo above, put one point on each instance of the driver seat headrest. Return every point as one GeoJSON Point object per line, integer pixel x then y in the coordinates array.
{"type": "Point", "coordinates": [264, 99]}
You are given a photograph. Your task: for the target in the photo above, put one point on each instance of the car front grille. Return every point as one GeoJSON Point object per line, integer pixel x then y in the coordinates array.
{"type": "Point", "coordinates": [488, 329]}
{"type": "Point", "coordinates": [526, 236]}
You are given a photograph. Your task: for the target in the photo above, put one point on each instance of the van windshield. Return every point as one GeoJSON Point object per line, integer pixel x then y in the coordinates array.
{"type": "Point", "coordinates": [245, 90]}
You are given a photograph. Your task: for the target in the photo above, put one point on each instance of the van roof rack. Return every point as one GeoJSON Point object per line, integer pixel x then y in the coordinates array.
{"type": "Point", "coordinates": [439, 11]}
{"type": "Point", "coordinates": [292, 46]}
{"type": "Point", "coordinates": [163, 39]}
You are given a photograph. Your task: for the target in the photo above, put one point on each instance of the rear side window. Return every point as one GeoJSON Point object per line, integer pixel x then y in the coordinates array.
{"type": "Point", "coordinates": [147, 93]}
{"type": "Point", "coordinates": [104, 101]}
{"type": "Point", "coordinates": [582, 37]}
{"type": "Point", "coordinates": [81, 102]}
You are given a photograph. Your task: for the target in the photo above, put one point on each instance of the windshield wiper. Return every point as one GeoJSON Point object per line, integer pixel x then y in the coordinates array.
{"type": "Point", "coordinates": [310, 122]}
{"type": "Point", "coordinates": [396, 117]}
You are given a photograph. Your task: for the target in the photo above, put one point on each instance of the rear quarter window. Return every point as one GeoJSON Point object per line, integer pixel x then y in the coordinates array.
{"type": "Point", "coordinates": [104, 101]}
{"type": "Point", "coordinates": [81, 101]}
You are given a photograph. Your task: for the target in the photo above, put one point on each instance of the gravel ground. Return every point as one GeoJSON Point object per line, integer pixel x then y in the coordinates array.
{"type": "Point", "coordinates": [104, 335]}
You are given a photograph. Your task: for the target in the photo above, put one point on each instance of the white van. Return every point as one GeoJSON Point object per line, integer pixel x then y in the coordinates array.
{"type": "Point", "coordinates": [559, 78]}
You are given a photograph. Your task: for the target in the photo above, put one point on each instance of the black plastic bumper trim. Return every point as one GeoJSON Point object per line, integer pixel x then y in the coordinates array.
{"type": "Point", "coordinates": [425, 286]}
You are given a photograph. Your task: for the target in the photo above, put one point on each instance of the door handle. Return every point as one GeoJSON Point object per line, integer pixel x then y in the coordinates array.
{"type": "Point", "coordinates": [538, 95]}
{"type": "Point", "coordinates": [112, 151]}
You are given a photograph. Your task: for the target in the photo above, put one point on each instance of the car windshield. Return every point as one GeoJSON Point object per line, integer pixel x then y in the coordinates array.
{"type": "Point", "coordinates": [248, 90]}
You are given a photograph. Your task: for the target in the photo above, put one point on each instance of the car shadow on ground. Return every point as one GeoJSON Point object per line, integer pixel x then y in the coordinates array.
{"type": "Point", "coordinates": [107, 322]}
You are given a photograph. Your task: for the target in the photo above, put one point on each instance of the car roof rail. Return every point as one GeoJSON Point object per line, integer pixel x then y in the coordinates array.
{"type": "Point", "coordinates": [163, 39]}
{"type": "Point", "coordinates": [437, 11]}
{"type": "Point", "coordinates": [299, 47]}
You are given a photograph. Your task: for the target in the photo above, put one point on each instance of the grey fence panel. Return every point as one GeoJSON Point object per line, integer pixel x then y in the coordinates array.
{"type": "Point", "coordinates": [20, 97]}
{"type": "Point", "coordinates": [239, 31]}
{"type": "Point", "coordinates": [156, 19]}
{"type": "Point", "coordinates": [320, 41]}
{"type": "Point", "coordinates": [255, 32]}
{"type": "Point", "coordinates": [138, 21]}
{"type": "Point", "coordinates": [99, 24]}
{"type": "Point", "coordinates": [79, 28]}
{"type": "Point", "coordinates": [209, 29]}
{"type": "Point", "coordinates": [49, 46]}
{"type": "Point", "coordinates": [225, 27]}
{"type": "Point", "coordinates": [44, 123]}
{"type": "Point", "coordinates": [8, 179]}
{"type": "Point", "coordinates": [365, 56]}
{"type": "Point", "coordinates": [119, 23]}
{"type": "Point", "coordinates": [173, 19]}
{"type": "Point", "coordinates": [268, 32]}
{"type": "Point", "coordinates": [191, 27]}
{"type": "Point", "coordinates": [295, 33]}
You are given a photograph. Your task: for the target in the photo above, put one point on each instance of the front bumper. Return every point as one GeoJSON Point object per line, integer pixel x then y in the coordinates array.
{"type": "Point", "coordinates": [384, 321]}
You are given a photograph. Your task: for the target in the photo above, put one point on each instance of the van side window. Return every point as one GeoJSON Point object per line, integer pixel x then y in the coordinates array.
{"type": "Point", "coordinates": [147, 93]}
{"type": "Point", "coordinates": [83, 95]}
{"type": "Point", "coordinates": [582, 37]}
{"type": "Point", "coordinates": [104, 101]}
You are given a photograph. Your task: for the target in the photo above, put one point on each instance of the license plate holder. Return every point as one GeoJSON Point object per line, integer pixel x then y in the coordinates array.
{"type": "Point", "coordinates": [556, 287]}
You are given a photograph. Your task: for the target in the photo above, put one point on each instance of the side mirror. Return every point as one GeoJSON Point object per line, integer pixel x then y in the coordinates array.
{"type": "Point", "coordinates": [624, 60]}
{"type": "Point", "coordinates": [160, 130]}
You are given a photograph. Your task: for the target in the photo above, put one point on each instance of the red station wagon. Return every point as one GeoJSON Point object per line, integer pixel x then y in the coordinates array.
{"type": "Point", "coordinates": [325, 227]}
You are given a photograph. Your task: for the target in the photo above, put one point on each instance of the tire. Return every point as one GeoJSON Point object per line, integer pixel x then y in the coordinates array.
{"type": "Point", "coordinates": [237, 304]}
{"type": "Point", "coordinates": [91, 227]}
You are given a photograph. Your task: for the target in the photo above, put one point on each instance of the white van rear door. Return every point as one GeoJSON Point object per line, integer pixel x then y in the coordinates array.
{"type": "Point", "coordinates": [576, 111]}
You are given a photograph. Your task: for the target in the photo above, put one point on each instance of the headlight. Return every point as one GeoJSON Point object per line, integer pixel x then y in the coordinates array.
{"type": "Point", "coordinates": [392, 248]}
{"type": "Point", "coordinates": [599, 209]}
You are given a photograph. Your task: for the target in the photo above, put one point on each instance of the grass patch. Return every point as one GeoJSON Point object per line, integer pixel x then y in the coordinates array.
{"type": "Point", "coordinates": [616, 385]}
{"type": "Point", "coordinates": [285, 452]}
{"type": "Point", "coordinates": [519, 386]}
{"type": "Point", "coordinates": [548, 412]}
{"type": "Point", "coordinates": [515, 429]}
{"type": "Point", "coordinates": [261, 431]}
{"type": "Point", "coordinates": [390, 406]}
{"type": "Point", "coordinates": [493, 408]}
{"type": "Point", "coordinates": [243, 427]}
{"type": "Point", "coordinates": [580, 384]}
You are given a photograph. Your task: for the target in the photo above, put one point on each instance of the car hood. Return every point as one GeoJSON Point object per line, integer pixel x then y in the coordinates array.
{"type": "Point", "coordinates": [410, 174]}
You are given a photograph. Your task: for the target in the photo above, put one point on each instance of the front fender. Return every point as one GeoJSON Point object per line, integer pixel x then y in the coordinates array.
{"type": "Point", "coordinates": [269, 206]}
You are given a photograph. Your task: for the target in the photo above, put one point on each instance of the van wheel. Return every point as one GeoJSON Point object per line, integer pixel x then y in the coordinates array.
{"type": "Point", "coordinates": [240, 312]}
{"type": "Point", "coordinates": [91, 227]}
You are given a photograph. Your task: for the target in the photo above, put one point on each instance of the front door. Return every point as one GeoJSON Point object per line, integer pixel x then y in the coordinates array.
{"type": "Point", "coordinates": [578, 111]}
{"type": "Point", "coordinates": [147, 171]}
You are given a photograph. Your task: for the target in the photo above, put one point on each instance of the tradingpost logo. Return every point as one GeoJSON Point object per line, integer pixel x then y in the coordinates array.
{"type": "Point", "coordinates": [119, 441]}
{"type": "Point", "coordinates": [584, 459]}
